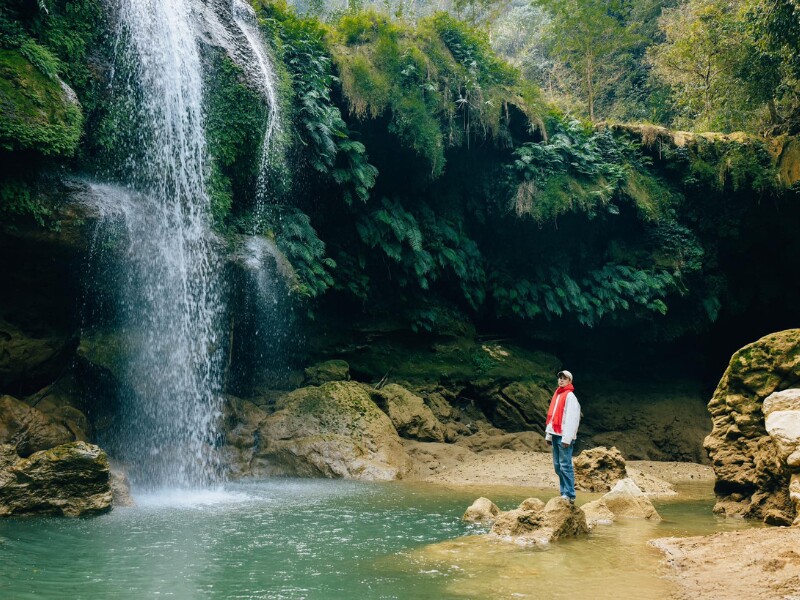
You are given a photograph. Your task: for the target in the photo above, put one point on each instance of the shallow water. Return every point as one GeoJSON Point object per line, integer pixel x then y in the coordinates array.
{"type": "Point", "coordinates": [289, 538]}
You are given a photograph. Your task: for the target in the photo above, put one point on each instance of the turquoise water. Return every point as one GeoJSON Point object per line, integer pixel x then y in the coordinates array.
{"type": "Point", "coordinates": [289, 538]}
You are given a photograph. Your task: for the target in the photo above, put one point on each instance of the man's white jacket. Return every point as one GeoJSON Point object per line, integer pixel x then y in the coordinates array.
{"type": "Point", "coordinates": [570, 422]}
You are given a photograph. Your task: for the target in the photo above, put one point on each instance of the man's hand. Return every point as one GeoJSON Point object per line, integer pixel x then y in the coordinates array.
{"type": "Point", "coordinates": [565, 445]}
{"type": "Point", "coordinates": [549, 443]}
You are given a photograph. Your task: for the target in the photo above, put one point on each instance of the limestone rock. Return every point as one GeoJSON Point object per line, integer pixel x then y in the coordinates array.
{"type": "Point", "coordinates": [330, 370]}
{"type": "Point", "coordinates": [598, 513]}
{"type": "Point", "coordinates": [120, 487]}
{"type": "Point", "coordinates": [482, 510]}
{"type": "Point", "coordinates": [28, 429]}
{"type": "Point", "coordinates": [598, 469]}
{"type": "Point", "coordinates": [535, 524]}
{"type": "Point", "coordinates": [752, 475]}
{"type": "Point", "coordinates": [70, 480]}
{"type": "Point", "coordinates": [243, 443]}
{"type": "Point", "coordinates": [626, 500]}
{"type": "Point", "coordinates": [334, 430]}
{"type": "Point", "coordinates": [409, 414]}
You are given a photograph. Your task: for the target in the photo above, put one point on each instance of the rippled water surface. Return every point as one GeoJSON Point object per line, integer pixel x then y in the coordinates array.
{"type": "Point", "coordinates": [288, 538]}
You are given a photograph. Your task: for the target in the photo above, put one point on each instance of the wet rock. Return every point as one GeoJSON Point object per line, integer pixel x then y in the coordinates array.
{"type": "Point", "coordinates": [598, 513]}
{"type": "Point", "coordinates": [533, 523]}
{"type": "Point", "coordinates": [752, 478]}
{"type": "Point", "coordinates": [410, 416]}
{"type": "Point", "coordinates": [334, 430]}
{"type": "Point", "coordinates": [70, 480]}
{"type": "Point", "coordinates": [120, 487]}
{"type": "Point", "coordinates": [29, 429]}
{"type": "Point", "coordinates": [330, 370]}
{"type": "Point", "coordinates": [598, 469]}
{"type": "Point", "coordinates": [627, 500]}
{"type": "Point", "coordinates": [482, 510]}
{"type": "Point", "coordinates": [243, 443]}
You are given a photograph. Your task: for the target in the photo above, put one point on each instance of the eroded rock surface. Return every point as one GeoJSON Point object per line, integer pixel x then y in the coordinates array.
{"type": "Point", "coordinates": [29, 429]}
{"type": "Point", "coordinates": [409, 414]}
{"type": "Point", "coordinates": [334, 430]}
{"type": "Point", "coordinates": [752, 478]}
{"type": "Point", "coordinates": [626, 500]}
{"type": "Point", "coordinates": [598, 469]}
{"type": "Point", "coordinates": [70, 480]}
{"type": "Point", "coordinates": [535, 523]}
{"type": "Point", "coordinates": [482, 510]}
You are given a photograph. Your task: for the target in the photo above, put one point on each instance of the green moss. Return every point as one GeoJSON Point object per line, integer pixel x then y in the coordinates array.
{"type": "Point", "coordinates": [36, 112]}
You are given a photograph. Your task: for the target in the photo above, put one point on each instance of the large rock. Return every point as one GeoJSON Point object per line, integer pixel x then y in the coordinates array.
{"type": "Point", "coordinates": [70, 480]}
{"type": "Point", "coordinates": [782, 421]}
{"type": "Point", "coordinates": [482, 510]}
{"type": "Point", "coordinates": [535, 523]}
{"type": "Point", "coordinates": [410, 416]}
{"type": "Point", "coordinates": [29, 429]}
{"type": "Point", "coordinates": [334, 430]}
{"type": "Point", "coordinates": [752, 478]}
{"type": "Point", "coordinates": [627, 500]}
{"type": "Point", "coordinates": [598, 469]}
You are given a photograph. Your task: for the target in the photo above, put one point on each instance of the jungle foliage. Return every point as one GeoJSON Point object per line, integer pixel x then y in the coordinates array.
{"type": "Point", "coordinates": [421, 176]}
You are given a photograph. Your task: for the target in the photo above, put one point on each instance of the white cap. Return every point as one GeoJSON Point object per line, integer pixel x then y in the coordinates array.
{"type": "Point", "coordinates": [566, 374]}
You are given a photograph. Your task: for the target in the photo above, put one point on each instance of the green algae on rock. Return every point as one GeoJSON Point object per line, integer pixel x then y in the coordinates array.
{"type": "Point", "coordinates": [70, 480]}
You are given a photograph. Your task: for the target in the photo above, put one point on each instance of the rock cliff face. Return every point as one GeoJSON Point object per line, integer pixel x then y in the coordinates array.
{"type": "Point", "coordinates": [752, 479]}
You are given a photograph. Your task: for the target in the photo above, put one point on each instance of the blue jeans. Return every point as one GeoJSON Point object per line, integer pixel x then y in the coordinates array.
{"type": "Point", "coordinates": [562, 462]}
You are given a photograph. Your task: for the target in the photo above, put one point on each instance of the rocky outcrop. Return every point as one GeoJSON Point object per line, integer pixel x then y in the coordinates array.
{"type": "Point", "coordinates": [29, 362]}
{"type": "Point", "coordinates": [598, 469]}
{"type": "Point", "coordinates": [752, 479]}
{"type": "Point", "coordinates": [410, 416]}
{"type": "Point", "coordinates": [70, 480]}
{"type": "Point", "coordinates": [482, 510]}
{"type": "Point", "coordinates": [334, 430]}
{"type": "Point", "coordinates": [243, 442]}
{"type": "Point", "coordinates": [535, 523]}
{"type": "Point", "coordinates": [782, 421]}
{"type": "Point", "coordinates": [28, 429]}
{"type": "Point", "coordinates": [330, 370]}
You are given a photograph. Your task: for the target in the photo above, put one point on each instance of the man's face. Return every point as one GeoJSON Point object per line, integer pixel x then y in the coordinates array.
{"type": "Point", "coordinates": [562, 380]}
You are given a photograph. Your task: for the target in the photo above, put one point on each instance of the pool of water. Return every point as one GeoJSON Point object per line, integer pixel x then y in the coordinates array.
{"type": "Point", "coordinates": [290, 538]}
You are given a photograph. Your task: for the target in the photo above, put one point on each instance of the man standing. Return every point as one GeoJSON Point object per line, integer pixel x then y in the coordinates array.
{"type": "Point", "coordinates": [563, 418]}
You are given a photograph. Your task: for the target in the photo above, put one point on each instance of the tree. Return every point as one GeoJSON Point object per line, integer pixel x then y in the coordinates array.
{"type": "Point", "coordinates": [589, 35]}
{"type": "Point", "coordinates": [720, 74]}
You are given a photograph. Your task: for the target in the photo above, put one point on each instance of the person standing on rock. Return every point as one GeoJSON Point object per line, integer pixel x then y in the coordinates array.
{"type": "Point", "coordinates": [561, 429]}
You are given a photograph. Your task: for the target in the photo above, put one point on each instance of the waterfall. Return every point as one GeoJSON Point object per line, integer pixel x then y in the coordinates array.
{"type": "Point", "coordinates": [169, 291]}
{"type": "Point", "coordinates": [245, 19]}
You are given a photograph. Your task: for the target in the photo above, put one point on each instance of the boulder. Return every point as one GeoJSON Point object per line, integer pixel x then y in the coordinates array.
{"type": "Point", "coordinates": [752, 478]}
{"type": "Point", "coordinates": [598, 469]}
{"type": "Point", "coordinates": [598, 513]}
{"type": "Point", "coordinates": [482, 510]}
{"type": "Point", "coordinates": [330, 370]}
{"type": "Point", "coordinates": [536, 524]}
{"type": "Point", "coordinates": [70, 480]}
{"type": "Point", "coordinates": [334, 430]}
{"type": "Point", "coordinates": [29, 429]}
{"type": "Point", "coordinates": [782, 421]}
{"type": "Point", "coordinates": [626, 500]}
{"type": "Point", "coordinates": [410, 416]}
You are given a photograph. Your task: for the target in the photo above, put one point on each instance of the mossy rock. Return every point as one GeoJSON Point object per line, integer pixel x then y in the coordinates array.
{"type": "Point", "coordinates": [334, 430]}
{"type": "Point", "coordinates": [37, 112]}
{"type": "Point", "coordinates": [751, 480]}
{"type": "Point", "coordinates": [330, 370]}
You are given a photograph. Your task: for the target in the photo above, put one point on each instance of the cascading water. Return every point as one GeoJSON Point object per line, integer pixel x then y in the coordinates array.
{"type": "Point", "coordinates": [245, 19]}
{"type": "Point", "coordinates": [169, 291]}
